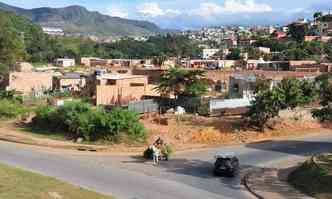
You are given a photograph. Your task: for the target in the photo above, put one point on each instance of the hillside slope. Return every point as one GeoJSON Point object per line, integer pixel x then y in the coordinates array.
{"type": "Point", "coordinates": [79, 20]}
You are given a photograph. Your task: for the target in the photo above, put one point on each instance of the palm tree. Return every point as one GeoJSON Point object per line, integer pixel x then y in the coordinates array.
{"type": "Point", "coordinates": [318, 15]}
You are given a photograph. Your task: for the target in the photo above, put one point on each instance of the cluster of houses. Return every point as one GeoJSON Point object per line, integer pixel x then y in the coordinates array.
{"type": "Point", "coordinates": [105, 87]}
{"type": "Point", "coordinates": [122, 81]}
{"type": "Point", "coordinates": [122, 85]}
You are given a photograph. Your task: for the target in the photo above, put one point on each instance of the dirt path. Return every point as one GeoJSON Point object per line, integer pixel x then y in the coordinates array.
{"type": "Point", "coordinates": [183, 137]}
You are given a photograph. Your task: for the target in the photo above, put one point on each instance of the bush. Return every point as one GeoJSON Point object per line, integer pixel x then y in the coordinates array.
{"type": "Point", "coordinates": [10, 95]}
{"type": "Point", "coordinates": [81, 120]}
{"type": "Point", "coordinates": [265, 106]}
{"type": "Point", "coordinates": [204, 110]}
{"type": "Point", "coordinates": [168, 151]}
{"type": "Point", "coordinates": [323, 114]}
{"type": "Point", "coordinates": [11, 109]}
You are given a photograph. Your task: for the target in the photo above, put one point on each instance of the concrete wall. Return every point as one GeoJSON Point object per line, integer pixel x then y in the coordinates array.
{"type": "Point", "coordinates": [65, 62]}
{"type": "Point", "coordinates": [152, 74]}
{"type": "Point", "coordinates": [125, 90]}
{"type": "Point", "coordinates": [301, 62]}
{"type": "Point", "coordinates": [29, 82]}
{"type": "Point", "coordinates": [71, 84]}
{"type": "Point", "coordinates": [109, 95]}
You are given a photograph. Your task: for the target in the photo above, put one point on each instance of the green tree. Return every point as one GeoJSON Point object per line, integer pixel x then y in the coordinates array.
{"type": "Point", "coordinates": [182, 82]}
{"type": "Point", "coordinates": [296, 54]}
{"type": "Point", "coordinates": [11, 45]}
{"type": "Point", "coordinates": [289, 93]}
{"type": "Point", "coordinates": [291, 89]}
{"type": "Point", "coordinates": [309, 91]}
{"type": "Point", "coordinates": [298, 30]}
{"type": "Point", "coordinates": [265, 106]}
{"type": "Point", "coordinates": [325, 96]}
{"type": "Point", "coordinates": [235, 54]}
{"type": "Point", "coordinates": [317, 15]}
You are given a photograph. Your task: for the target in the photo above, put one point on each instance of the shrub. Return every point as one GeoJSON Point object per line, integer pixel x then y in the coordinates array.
{"type": "Point", "coordinates": [325, 96]}
{"type": "Point", "coordinates": [323, 114]}
{"type": "Point", "coordinates": [204, 110]}
{"type": "Point", "coordinates": [168, 151]}
{"type": "Point", "coordinates": [10, 95]}
{"type": "Point", "coordinates": [81, 120]}
{"type": "Point", "coordinates": [265, 106]}
{"type": "Point", "coordinates": [11, 109]}
{"type": "Point", "coordinates": [289, 93]}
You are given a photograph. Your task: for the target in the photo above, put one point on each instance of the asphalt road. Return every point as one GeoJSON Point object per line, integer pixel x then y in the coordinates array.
{"type": "Point", "coordinates": [186, 176]}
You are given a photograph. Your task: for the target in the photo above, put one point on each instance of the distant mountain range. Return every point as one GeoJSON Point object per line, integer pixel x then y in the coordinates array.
{"type": "Point", "coordinates": [77, 19]}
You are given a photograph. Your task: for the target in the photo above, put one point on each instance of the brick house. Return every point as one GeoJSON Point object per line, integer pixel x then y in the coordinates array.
{"type": "Point", "coordinates": [121, 89]}
{"type": "Point", "coordinates": [30, 83]}
{"type": "Point", "coordinates": [64, 62]}
{"type": "Point", "coordinates": [69, 82]}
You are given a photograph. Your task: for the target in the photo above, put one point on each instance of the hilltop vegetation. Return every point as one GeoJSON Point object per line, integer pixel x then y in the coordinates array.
{"type": "Point", "coordinates": [21, 39]}
{"type": "Point", "coordinates": [77, 19]}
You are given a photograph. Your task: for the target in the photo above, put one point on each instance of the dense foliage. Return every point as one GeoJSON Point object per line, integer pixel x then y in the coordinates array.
{"type": "Point", "coordinates": [298, 30]}
{"type": "Point", "coordinates": [11, 105]}
{"type": "Point", "coordinates": [296, 92]}
{"type": "Point", "coordinates": [168, 45]}
{"type": "Point", "coordinates": [11, 44]}
{"type": "Point", "coordinates": [81, 120]}
{"type": "Point", "coordinates": [235, 54]}
{"type": "Point", "coordinates": [290, 49]}
{"type": "Point", "coordinates": [10, 95]}
{"type": "Point", "coordinates": [183, 83]}
{"type": "Point", "coordinates": [265, 106]}
{"type": "Point", "coordinates": [20, 39]}
{"type": "Point", "coordinates": [288, 94]}
{"type": "Point", "coordinates": [10, 109]}
{"type": "Point", "coordinates": [325, 96]}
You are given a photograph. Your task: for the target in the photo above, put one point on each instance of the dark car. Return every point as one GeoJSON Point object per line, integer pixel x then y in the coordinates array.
{"type": "Point", "coordinates": [226, 165]}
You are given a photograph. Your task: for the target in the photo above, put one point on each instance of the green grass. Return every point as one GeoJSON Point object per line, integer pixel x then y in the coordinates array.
{"type": "Point", "coordinates": [314, 180]}
{"type": "Point", "coordinates": [16, 183]}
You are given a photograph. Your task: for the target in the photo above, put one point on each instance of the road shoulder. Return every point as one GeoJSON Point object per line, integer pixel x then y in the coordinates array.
{"type": "Point", "coordinates": [270, 183]}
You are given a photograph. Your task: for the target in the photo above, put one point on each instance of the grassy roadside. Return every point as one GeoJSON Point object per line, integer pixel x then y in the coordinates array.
{"type": "Point", "coordinates": [314, 177]}
{"type": "Point", "coordinates": [16, 183]}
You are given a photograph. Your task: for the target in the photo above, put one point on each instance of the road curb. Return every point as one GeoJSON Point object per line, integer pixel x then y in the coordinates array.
{"type": "Point", "coordinates": [248, 187]}
{"type": "Point", "coordinates": [261, 183]}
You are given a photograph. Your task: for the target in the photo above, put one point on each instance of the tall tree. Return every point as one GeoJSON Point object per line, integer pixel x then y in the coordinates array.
{"type": "Point", "coordinates": [235, 54]}
{"type": "Point", "coordinates": [12, 47]}
{"type": "Point", "coordinates": [317, 15]}
{"type": "Point", "coordinates": [182, 82]}
{"type": "Point", "coordinates": [325, 96]}
{"type": "Point", "coordinates": [265, 106]}
{"type": "Point", "coordinates": [298, 30]}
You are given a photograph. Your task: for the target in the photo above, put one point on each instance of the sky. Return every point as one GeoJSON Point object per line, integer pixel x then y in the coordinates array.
{"type": "Point", "coordinates": [189, 14]}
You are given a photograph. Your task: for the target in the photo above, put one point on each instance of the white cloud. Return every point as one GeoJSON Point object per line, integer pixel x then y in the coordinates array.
{"type": "Point", "coordinates": [117, 12]}
{"type": "Point", "coordinates": [207, 9]}
{"type": "Point", "coordinates": [152, 9]}
{"type": "Point", "coordinates": [247, 6]}
{"type": "Point", "coordinates": [171, 13]}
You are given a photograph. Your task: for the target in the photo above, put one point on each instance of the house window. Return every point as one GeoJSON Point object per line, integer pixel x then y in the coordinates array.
{"type": "Point", "coordinates": [111, 82]}
{"type": "Point", "coordinates": [137, 84]}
